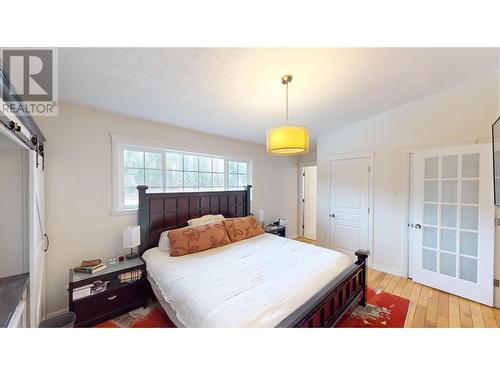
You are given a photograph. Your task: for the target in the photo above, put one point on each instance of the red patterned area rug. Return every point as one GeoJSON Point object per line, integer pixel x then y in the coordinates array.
{"type": "Point", "coordinates": [383, 310]}
{"type": "Point", "coordinates": [152, 316]}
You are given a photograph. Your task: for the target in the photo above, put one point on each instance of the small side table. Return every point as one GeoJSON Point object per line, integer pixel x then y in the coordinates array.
{"type": "Point", "coordinates": [278, 230]}
{"type": "Point", "coordinates": [117, 299]}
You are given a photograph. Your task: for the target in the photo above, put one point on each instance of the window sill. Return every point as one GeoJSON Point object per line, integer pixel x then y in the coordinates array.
{"type": "Point", "coordinates": [127, 211]}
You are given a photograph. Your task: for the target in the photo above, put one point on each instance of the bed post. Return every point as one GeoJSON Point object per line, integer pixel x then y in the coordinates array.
{"type": "Point", "coordinates": [142, 219]}
{"type": "Point", "coordinates": [247, 200]}
{"type": "Point", "coordinates": [362, 256]}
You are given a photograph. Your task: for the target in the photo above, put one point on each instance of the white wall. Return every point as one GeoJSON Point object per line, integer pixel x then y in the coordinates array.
{"type": "Point", "coordinates": [11, 209]}
{"type": "Point", "coordinates": [461, 114]}
{"type": "Point", "coordinates": [79, 184]}
{"type": "Point", "coordinates": [310, 157]}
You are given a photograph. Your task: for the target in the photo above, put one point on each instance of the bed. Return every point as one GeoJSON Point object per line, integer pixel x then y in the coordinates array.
{"type": "Point", "coordinates": [264, 281]}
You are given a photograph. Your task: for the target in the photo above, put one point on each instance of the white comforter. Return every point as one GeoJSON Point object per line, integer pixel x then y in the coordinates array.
{"type": "Point", "coordinates": [252, 283]}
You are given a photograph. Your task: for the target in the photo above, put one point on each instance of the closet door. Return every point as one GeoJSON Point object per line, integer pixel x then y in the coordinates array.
{"type": "Point", "coordinates": [37, 242]}
{"type": "Point", "coordinates": [349, 204]}
{"type": "Point", "coordinates": [309, 202]}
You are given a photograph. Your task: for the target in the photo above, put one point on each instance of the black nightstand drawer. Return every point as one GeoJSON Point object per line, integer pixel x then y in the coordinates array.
{"type": "Point", "coordinates": [103, 306]}
{"type": "Point", "coordinates": [277, 230]}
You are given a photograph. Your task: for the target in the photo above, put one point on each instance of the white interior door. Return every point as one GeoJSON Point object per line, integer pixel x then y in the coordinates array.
{"type": "Point", "coordinates": [452, 231]}
{"type": "Point", "coordinates": [36, 204]}
{"type": "Point", "coordinates": [309, 202]}
{"type": "Point", "coordinates": [349, 204]}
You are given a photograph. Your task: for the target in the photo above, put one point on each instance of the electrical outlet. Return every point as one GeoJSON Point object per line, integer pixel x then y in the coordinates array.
{"type": "Point", "coordinates": [66, 293]}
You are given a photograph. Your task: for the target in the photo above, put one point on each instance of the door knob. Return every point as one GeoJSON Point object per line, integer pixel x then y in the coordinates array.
{"type": "Point", "coordinates": [331, 215]}
{"type": "Point", "coordinates": [418, 226]}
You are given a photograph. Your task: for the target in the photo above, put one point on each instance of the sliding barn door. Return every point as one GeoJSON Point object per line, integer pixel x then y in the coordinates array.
{"type": "Point", "coordinates": [37, 242]}
{"type": "Point", "coordinates": [452, 226]}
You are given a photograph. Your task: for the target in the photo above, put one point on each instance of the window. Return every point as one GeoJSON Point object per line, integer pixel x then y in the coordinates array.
{"type": "Point", "coordinates": [191, 172]}
{"type": "Point", "coordinates": [172, 171]}
{"type": "Point", "coordinates": [237, 174]}
{"type": "Point", "coordinates": [140, 168]}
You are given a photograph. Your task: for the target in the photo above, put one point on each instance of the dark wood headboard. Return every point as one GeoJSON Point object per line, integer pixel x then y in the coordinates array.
{"type": "Point", "coordinates": [159, 212]}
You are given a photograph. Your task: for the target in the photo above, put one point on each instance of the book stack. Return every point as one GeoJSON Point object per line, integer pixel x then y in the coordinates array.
{"type": "Point", "coordinates": [130, 276]}
{"type": "Point", "coordinates": [90, 266]}
{"type": "Point", "coordinates": [90, 289]}
{"type": "Point", "coordinates": [82, 291]}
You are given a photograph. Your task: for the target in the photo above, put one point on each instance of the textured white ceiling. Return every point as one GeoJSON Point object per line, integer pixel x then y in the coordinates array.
{"type": "Point", "coordinates": [237, 92]}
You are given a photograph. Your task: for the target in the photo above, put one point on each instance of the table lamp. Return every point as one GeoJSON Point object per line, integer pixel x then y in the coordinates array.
{"type": "Point", "coordinates": [131, 238]}
{"type": "Point", "coordinates": [260, 216]}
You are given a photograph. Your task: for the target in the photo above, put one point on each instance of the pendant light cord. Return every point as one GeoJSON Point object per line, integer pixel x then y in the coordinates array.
{"type": "Point", "coordinates": [286, 104]}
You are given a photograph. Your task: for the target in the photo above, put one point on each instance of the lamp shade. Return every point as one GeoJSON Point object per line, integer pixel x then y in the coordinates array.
{"type": "Point", "coordinates": [131, 236]}
{"type": "Point", "coordinates": [287, 140]}
{"type": "Point", "coordinates": [260, 215]}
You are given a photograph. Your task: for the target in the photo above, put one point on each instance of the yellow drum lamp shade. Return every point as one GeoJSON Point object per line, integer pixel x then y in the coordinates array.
{"type": "Point", "coordinates": [287, 140]}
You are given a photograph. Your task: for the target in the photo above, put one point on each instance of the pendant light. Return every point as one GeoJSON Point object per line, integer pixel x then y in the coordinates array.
{"type": "Point", "coordinates": [287, 139]}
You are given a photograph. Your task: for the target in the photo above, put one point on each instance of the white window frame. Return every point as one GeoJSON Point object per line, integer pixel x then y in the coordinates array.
{"type": "Point", "coordinates": [121, 143]}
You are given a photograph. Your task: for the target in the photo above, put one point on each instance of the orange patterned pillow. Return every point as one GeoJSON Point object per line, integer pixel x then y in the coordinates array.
{"type": "Point", "coordinates": [189, 240]}
{"type": "Point", "coordinates": [241, 228]}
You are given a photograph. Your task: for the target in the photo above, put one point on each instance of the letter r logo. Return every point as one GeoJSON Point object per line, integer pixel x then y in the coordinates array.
{"type": "Point", "coordinates": [31, 73]}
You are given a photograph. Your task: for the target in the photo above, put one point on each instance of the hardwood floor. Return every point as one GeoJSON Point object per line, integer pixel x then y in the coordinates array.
{"type": "Point", "coordinates": [432, 308]}
{"type": "Point", "coordinates": [306, 240]}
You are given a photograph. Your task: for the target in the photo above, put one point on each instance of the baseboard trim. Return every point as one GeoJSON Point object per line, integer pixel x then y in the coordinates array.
{"type": "Point", "coordinates": [385, 269]}
{"type": "Point", "coordinates": [55, 313]}
{"type": "Point", "coordinates": [292, 236]}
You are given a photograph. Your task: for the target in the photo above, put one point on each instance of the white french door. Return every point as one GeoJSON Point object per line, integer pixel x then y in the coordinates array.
{"type": "Point", "coordinates": [349, 204]}
{"type": "Point", "coordinates": [37, 241]}
{"type": "Point", "coordinates": [309, 202]}
{"type": "Point", "coordinates": [452, 226]}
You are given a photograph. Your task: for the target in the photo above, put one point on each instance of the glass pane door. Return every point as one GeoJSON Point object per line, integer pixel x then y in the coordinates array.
{"type": "Point", "coordinates": [452, 200]}
{"type": "Point", "coordinates": [451, 191]}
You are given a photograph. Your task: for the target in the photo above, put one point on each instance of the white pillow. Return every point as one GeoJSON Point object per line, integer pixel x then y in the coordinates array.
{"type": "Point", "coordinates": [164, 243]}
{"type": "Point", "coordinates": [205, 219]}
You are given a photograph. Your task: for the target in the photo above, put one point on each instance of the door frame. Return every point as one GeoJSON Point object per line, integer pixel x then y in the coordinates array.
{"type": "Point", "coordinates": [370, 155]}
{"type": "Point", "coordinates": [303, 164]}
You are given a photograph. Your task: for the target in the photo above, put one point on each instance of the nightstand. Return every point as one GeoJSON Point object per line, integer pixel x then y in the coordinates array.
{"type": "Point", "coordinates": [278, 230]}
{"type": "Point", "coordinates": [118, 298]}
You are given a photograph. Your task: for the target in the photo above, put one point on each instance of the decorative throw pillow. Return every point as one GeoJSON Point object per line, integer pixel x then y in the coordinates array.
{"type": "Point", "coordinates": [189, 240]}
{"type": "Point", "coordinates": [205, 219]}
{"type": "Point", "coordinates": [242, 228]}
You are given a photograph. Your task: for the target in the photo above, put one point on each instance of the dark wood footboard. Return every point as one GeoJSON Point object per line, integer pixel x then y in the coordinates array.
{"type": "Point", "coordinates": [335, 300]}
